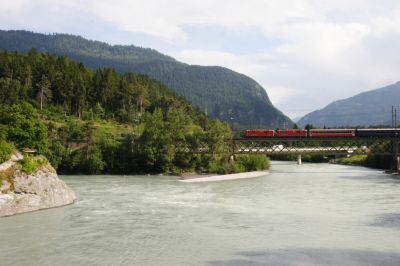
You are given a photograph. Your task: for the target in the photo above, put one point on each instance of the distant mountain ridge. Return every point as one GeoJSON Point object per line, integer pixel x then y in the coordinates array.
{"type": "Point", "coordinates": [218, 91]}
{"type": "Point", "coordinates": [365, 109]}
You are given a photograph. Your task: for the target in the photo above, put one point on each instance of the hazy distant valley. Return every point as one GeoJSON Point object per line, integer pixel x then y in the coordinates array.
{"type": "Point", "coordinates": [370, 108]}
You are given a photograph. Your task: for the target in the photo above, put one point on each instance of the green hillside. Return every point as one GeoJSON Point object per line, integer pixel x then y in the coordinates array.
{"type": "Point", "coordinates": [102, 122]}
{"type": "Point", "coordinates": [365, 109]}
{"type": "Point", "coordinates": [220, 92]}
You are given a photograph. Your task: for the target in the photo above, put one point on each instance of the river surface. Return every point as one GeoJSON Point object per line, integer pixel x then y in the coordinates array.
{"type": "Point", "coordinates": [314, 214]}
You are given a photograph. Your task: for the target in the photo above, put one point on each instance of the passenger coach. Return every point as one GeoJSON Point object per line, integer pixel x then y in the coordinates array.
{"type": "Point", "coordinates": [323, 133]}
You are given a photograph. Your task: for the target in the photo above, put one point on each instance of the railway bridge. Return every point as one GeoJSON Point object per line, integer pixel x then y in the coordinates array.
{"type": "Point", "coordinates": [388, 146]}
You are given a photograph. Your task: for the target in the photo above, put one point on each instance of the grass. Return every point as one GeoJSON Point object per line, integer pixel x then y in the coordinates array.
{"type": "Point", "coordinates": [101, 128]}
{"type": "Point", "coordinates": [31, 163]}
{"type": "Point", "coordinates": [109, 130]}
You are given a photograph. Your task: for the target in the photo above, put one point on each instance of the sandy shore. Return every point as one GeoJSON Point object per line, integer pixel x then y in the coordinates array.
{"type": "Point", "coordinates": [211, 178]}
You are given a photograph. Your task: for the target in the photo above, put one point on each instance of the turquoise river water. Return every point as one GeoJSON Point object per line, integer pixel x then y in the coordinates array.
{"type": "Point", "coordinates": [314, 214]}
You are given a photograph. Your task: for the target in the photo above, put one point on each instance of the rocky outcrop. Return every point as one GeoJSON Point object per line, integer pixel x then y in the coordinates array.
{"type": "Point", "coordinates": [21, 192]}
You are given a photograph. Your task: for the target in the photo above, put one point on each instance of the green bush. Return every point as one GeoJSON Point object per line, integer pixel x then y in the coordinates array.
{"type": "Point", "coordinates": [353, 160]}
{"type": "Point", "coordinates": [30, 163]}
{"type": "Point", "coordinates": [6, 149]}
{"type": "Point", "coordinates": [242, 163]}
{"type": "Point", "coordinates": [253, 162]}
{"type": "Point", "coordinates": [214, 167]}
{"type": "Point", "coordinates": [23, 127]}
{"type": "Point", "coordinates": [221, 167]}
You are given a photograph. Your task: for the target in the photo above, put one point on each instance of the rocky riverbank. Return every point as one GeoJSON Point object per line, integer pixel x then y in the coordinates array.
{"type": "Point", "coordinates": [21, 191]}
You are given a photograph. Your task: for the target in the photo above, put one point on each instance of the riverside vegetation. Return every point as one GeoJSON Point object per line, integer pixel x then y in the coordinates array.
{"type": "Point", "coordinates": [96, 122]}
{"type": "Point", "coordinates": [374, 161]}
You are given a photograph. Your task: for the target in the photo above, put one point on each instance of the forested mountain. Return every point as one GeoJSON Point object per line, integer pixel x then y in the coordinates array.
{"type": "Point", "coordinates": [365, 109]}
{"type": "Point", "coordinates": [95, 122]}
{"type": "Point", "coordinates": [101, 122]}
{"type": "Point", "coordinates": [217, 91]}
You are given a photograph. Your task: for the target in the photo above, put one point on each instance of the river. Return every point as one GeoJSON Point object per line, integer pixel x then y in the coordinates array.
{"type": "Point", "coordinates": [313, 214]}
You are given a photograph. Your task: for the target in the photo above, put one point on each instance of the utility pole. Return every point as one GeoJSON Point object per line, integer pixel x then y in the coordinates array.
{"type": "Point", "coordinates": [395, 144]}
{"type": "Point", "coordinates": [392, 116]}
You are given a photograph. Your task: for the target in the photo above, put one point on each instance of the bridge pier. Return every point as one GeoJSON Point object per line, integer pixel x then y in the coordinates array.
{"type": "Point", "coordinates": [396, 157]}
{"type": "Point", "coordinates": [299, 159]}
{"type": "Point", "coordinates": [232, 157]}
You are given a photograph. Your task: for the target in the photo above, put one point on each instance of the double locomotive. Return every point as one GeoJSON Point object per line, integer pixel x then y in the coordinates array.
{"type": "Point", "coordinates": [323, 133]}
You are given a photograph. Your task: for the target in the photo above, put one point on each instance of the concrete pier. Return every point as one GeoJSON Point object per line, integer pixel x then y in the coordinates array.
{"type": "Point", "coordinates": [299, 159]}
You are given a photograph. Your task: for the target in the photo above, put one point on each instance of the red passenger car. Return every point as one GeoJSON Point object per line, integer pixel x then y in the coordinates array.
{"type": "Point", "coordinates": [259, 133]}
{"type": "Point", "coordinates": [332, 133]}
{"type": "Point", "coordinates": [292, 133]}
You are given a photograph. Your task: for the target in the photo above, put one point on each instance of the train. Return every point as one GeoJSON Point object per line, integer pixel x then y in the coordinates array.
{"type": "Point", "coordinates": [322, 133]}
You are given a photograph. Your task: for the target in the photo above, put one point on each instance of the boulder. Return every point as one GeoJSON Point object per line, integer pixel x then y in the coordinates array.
{"type": "Point", "coordinates": [21, 192]}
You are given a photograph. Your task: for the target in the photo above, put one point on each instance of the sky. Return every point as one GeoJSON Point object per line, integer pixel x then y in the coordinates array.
{"type": "Point", "coordinates": [305, 53]}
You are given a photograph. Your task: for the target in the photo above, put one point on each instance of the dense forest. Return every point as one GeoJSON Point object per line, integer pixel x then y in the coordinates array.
{"type": "Point", "coordinates": [99, 121]}
{"type": "Point", "coordinates": [219, 92]}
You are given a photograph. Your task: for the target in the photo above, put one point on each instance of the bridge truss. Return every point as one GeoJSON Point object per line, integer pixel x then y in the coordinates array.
{"type": "Point", "coordinates": [325, 146]}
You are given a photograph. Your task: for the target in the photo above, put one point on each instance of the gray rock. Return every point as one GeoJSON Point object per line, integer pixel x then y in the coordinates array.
{"type": "Point", "coordinates": [16, 156]}
{"type": "Point", "coordinates": [41, 189]}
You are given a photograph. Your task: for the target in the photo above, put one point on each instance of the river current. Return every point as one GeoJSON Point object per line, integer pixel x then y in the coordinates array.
{"type": "Point", "coordinates": [313, 214]}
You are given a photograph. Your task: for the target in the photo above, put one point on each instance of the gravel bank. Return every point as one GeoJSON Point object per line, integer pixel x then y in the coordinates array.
{"type": "Point", "coordinates": [211, 178]}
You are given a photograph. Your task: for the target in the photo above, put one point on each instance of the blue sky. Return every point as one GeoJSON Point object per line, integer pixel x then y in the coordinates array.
{"type": "Point", "coordinates": [305, 53]}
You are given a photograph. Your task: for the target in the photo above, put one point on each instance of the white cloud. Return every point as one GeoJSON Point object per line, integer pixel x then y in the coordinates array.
{"type": "Point", "coordinates": [279, 93]}
{"type": "Point", "coordinates": [165, 18]}
{"type": "Point", "coordinates": [13, 5]}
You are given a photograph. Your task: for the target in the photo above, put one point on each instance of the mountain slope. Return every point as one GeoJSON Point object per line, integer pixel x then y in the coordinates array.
{"type": "Point", "coordinates": [220, 92]}
{"type": "Point", "coordinates": [364, 109]}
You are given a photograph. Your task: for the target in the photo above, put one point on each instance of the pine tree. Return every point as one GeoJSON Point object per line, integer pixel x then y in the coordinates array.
{"type": "Point", "coordinates": [44, 92]}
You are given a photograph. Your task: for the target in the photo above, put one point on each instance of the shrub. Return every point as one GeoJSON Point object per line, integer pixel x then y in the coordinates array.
{"type": "Point", "coordinates": [243, 163]}
{"type": "Point", "coordinates": [6, 149]}
{"type": "Point", "coordinates": [23, 127]}
{"type": "Point", "coordinates": [30, 164]}
{"type": "Point", "coordinates": [353, 160]}
{"type": "Point", "coordinates": [253, 162]}
{"type": "Point", "coordinates": [221, 167]}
